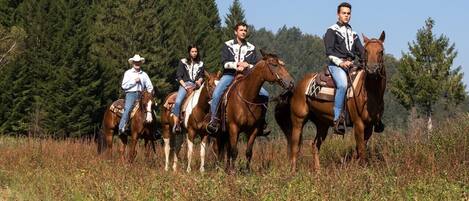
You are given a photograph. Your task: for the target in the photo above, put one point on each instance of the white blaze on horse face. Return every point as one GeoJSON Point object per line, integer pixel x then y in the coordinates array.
{"type": "Point", "coordinates": [149, 117]}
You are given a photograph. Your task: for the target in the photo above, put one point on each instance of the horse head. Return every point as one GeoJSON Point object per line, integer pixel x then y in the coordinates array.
{"type": "Point", "coordinates": [211, 81]}
{"type": "Point", "coordinates": [374, 55]}
{"type": "Point", "coordinates": [276, 70]}
{"type": "Point", "coordinates": [146, 102]}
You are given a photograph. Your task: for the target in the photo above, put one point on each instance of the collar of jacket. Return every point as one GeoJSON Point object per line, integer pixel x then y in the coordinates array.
{"type": "Point", "coordinates": [343, 24]}
{"type": "Point", "coordinates": [235, 41]}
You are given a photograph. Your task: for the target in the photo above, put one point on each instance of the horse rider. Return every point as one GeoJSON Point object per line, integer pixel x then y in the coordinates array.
{"type": "Point", "coordinates": [133, 83]}
{"type": "Point", "coordinates": [342, 47]}
{"type": "Point", "coordinates": [190, 75]}
{"type": "Point", "coordinates": [237, 55]}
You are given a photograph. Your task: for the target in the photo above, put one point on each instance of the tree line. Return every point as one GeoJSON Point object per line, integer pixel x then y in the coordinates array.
{"type": "Point", "coordinates": [68, 58]}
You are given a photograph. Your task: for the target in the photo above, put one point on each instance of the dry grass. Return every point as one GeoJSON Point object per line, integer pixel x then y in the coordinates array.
{"type": "Point", "coordinates": [402, 166]}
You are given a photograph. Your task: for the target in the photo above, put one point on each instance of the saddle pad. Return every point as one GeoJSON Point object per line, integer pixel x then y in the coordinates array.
{"type": "Point", "coordinates": [118, 108]}
{"type": "Point", "coordinates": [326, 93]}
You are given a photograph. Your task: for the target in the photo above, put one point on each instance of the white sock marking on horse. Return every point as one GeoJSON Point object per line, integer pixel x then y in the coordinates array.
{"type": "Point", "coordinates": [202, 156]}
{"type": "Point", "coordinates": [166, 153]}
{"type": "Point", "coordinates": [190, 150]}
{"type": "Point", "coordinates": [149, 117]}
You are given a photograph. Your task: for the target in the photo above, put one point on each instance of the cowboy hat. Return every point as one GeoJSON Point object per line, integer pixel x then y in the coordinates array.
{"type": "Point", "coordinates": [136, 58]}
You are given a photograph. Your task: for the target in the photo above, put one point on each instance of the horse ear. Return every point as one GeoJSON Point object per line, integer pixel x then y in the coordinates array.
{"type": "Point", "coordinates": [365, 39]}
{"type": "Point", "coordinates": [382, 37]}
{"type": "Point", "coordinates": [263, 53]}
{"type": "Point", "coordinates": [206, 74]}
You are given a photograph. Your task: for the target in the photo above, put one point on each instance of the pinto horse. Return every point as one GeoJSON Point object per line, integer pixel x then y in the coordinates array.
{"type": "Point", "coordinates": [195, 121]}
{"type": "Point", "coordinates": [141, 125]}
{"type": "Point", "coordinates": [365, 107]}
{"type": "Point", "coordinates": [243, 108]}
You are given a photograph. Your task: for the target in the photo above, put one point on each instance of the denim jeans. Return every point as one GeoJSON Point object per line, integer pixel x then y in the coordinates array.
{"type": "Point", "coordinates": [130, 98]}
{"type": "Point", "coordinates": [180, 97]}
{"type": "Point", "coordinates": [340, 79]}
{"type": "Point", "coordinates": [224, 82]}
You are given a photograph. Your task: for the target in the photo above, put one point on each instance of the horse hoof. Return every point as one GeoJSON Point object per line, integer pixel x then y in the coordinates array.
{"type": "Point", "coordinates": [202, 169]}
{"type": "Point", "coordinates": [188, 170]}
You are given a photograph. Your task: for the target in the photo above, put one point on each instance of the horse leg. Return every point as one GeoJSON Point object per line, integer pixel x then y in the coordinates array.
{"type": "Point", "coordinates": [359, 129]}
{"type": "Point", "coordinates": [190, 147]}
{"type": "Point", "coordinates": [297, 127]}
{"type": "Point", "coordinates": [321, 133]}
{"type": "Point", "coordinates": [123, 145]}
{"type": "Point", "coordinates": [233, 153]}
{"type": "Point", "coordinates": [166, 137]}
{"type": "Point", "coordinates": [133, 147]}
{"type": "Point", "coordinates": [250, 145]}
{"type": "Point", "coordinates": [203, 148]}
{"type": "Point", "coordinates": [108, 138]}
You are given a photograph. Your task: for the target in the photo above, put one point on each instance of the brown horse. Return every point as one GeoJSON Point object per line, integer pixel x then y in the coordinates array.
{"type": "Point", "coordinates": [243, 108]}
{"type": "Point", "coordinates": [141, 125]}
{"type": "Point", "coordinates": [171, 140]}
{"type": "Point", "coordinates": [365, 107]}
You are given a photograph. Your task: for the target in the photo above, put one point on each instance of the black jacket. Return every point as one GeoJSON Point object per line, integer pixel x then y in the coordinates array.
{"type": "Point", "coordinates": [187, 72]}
{"type": "Point", "coordinates": [341, 42]}
{"type": "Point", "coordinates": [232, 53]}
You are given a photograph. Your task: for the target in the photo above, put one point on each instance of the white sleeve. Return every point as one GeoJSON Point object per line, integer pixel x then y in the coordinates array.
{"type": "Point", "coordinates": [128, 82]}
{"type": "Point", "coordinates": [336, 60]}
{"type": "Point", "coordinates": [148, 83]}
{"type": "Point", "coordinates": [230, 65]}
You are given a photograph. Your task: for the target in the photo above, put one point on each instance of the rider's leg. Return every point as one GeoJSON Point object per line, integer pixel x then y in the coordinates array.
{"type": "Point", "coordinates": [130, 98]}
{"type": "Point", "coordinates": [340, 79]}
{"type": "Point", "coordinates": [224, 82]}
{"type": "Point", "coordinates": [177, 108]}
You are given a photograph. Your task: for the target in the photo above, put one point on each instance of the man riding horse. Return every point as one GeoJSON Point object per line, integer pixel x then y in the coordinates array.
{"type": "Point", "coordinates": [342, 47]}
{"type": "Point", "coordinates": [237, 55]}
{"type": "Point", "coordinates": [133, 83]}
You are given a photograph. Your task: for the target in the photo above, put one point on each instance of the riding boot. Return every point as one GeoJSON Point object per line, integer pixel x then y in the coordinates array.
{"type": "Point", "coordinates": [339, 127]}
{"type": "Point", "coordinates": [212, 126]}
{"type": "Point", "coordinates": [265, 131]}
{"type": "Point", "coordinates": [379, 126]}
{"type": "Point", "coordinates": [176, 125]}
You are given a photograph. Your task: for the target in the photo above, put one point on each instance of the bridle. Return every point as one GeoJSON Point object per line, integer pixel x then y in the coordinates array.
{"type": "Point", "coordinates": [380, 64]}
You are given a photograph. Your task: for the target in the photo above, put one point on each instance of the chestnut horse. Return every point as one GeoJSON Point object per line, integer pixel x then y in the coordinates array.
{"type": "Point", "coordinates": [243, 108]}
{"type": "Point", "coordinates": [171, 140]}
{"type": "Point", "coordinates": [365, 107]}
{"type": "Point", "coordinates": [140, 126]}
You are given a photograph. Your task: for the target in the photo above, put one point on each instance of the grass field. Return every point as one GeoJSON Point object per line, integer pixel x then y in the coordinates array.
{"type": "Point", "coordinates": [403, 165]}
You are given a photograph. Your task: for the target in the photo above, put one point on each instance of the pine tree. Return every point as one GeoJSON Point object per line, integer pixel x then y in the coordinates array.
{"type": "Point", "coordinates": [235, 16]}
{"type": "Point", "coordinates": [425, 76]}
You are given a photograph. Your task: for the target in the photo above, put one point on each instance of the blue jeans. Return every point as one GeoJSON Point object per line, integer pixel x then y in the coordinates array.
{"type": "Point", "coordinates": [340, 79]}
{"type": "Point", "coordinates": [180, 97]}
{"type": "Point", "coordinates": [224, 82]}
{"type": "Point", "coordinates": [130, 98]}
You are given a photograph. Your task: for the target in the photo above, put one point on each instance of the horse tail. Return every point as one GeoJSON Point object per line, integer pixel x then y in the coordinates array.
{"type": "Point", "coordinates": [282, 114]}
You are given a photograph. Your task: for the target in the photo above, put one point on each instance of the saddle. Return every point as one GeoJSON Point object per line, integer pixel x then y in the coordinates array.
{"type": "Point", "coordinates": [187, 105]}
{"type": "Point", "coordinates": [117, 107]}
{"type": "Point", "coordinates": [322, 86]}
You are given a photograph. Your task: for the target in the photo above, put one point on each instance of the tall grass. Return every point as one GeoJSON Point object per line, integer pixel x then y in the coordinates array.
{"type": "Point", "coordinates": [403, 165]}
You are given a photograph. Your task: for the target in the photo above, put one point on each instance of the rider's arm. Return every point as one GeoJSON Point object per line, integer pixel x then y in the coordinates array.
{"type": "Point", "coordinates": [147, 81]}
{"type": "Point", "coordinates": [329, 42]}
{"type": "Point", "coordinates": [359, 49]}
{"type": "Point", "coordinates": [227, 59]}
{"type": "Point", "coordinates": [180, 72]}
{"type": "Point", "coordinates": [200, 73]}
{"type": "Point", "coordinates": [128, 82]}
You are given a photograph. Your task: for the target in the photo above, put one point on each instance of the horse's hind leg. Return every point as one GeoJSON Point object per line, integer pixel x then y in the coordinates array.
{"type": "Point", "coordinates": [108, 138]}
{"type": "Point", "coordinates": [190, 147]}
{"type": "Point", "coordinates": [133, 147]}
{"type": "Point", "coordinates": [167, 148]}
{"type": "Point", "coordinates": [233, 153]}
{"type": "Point", "coordinates": [297, 127]}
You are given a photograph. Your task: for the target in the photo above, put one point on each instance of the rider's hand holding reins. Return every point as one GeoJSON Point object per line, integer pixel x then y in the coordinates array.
{"type": "Point", "coordinates": [346, 64]}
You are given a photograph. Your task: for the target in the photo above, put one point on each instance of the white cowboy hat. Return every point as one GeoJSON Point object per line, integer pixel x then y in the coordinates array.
{"type": "Point", "coordinates": [136, 58]}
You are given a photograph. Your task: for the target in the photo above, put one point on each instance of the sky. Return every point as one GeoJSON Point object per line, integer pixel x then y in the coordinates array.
{"type": "Point", "coordinates": [400, 19]}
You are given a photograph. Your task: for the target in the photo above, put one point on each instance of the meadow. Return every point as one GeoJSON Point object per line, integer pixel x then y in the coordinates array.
{"type": "Point", "coordinates": [409, 164]}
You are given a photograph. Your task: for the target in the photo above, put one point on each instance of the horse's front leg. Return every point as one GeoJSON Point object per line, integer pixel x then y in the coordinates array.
{"type": "Point", "coordinates": [233, 153]}
{"type": "Point", "coordinates": [167, 148]}
{"type": "Point", "coordinates": [122, 146]}
{"type": "Point", "coordinates": [297, 129]}
{"type": "Point", "coordinates": [250, 145]}
{"type": "Point", "coordinates": [359, 132]}
{"type": "Point", "coordinates": [203, 150]}
{"type": "Point", "coordinates": [321, 133]}
{"type": "Point", "coordinates": [133, 147]}
{"type": "Point", "coordinates": [190, 147]}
